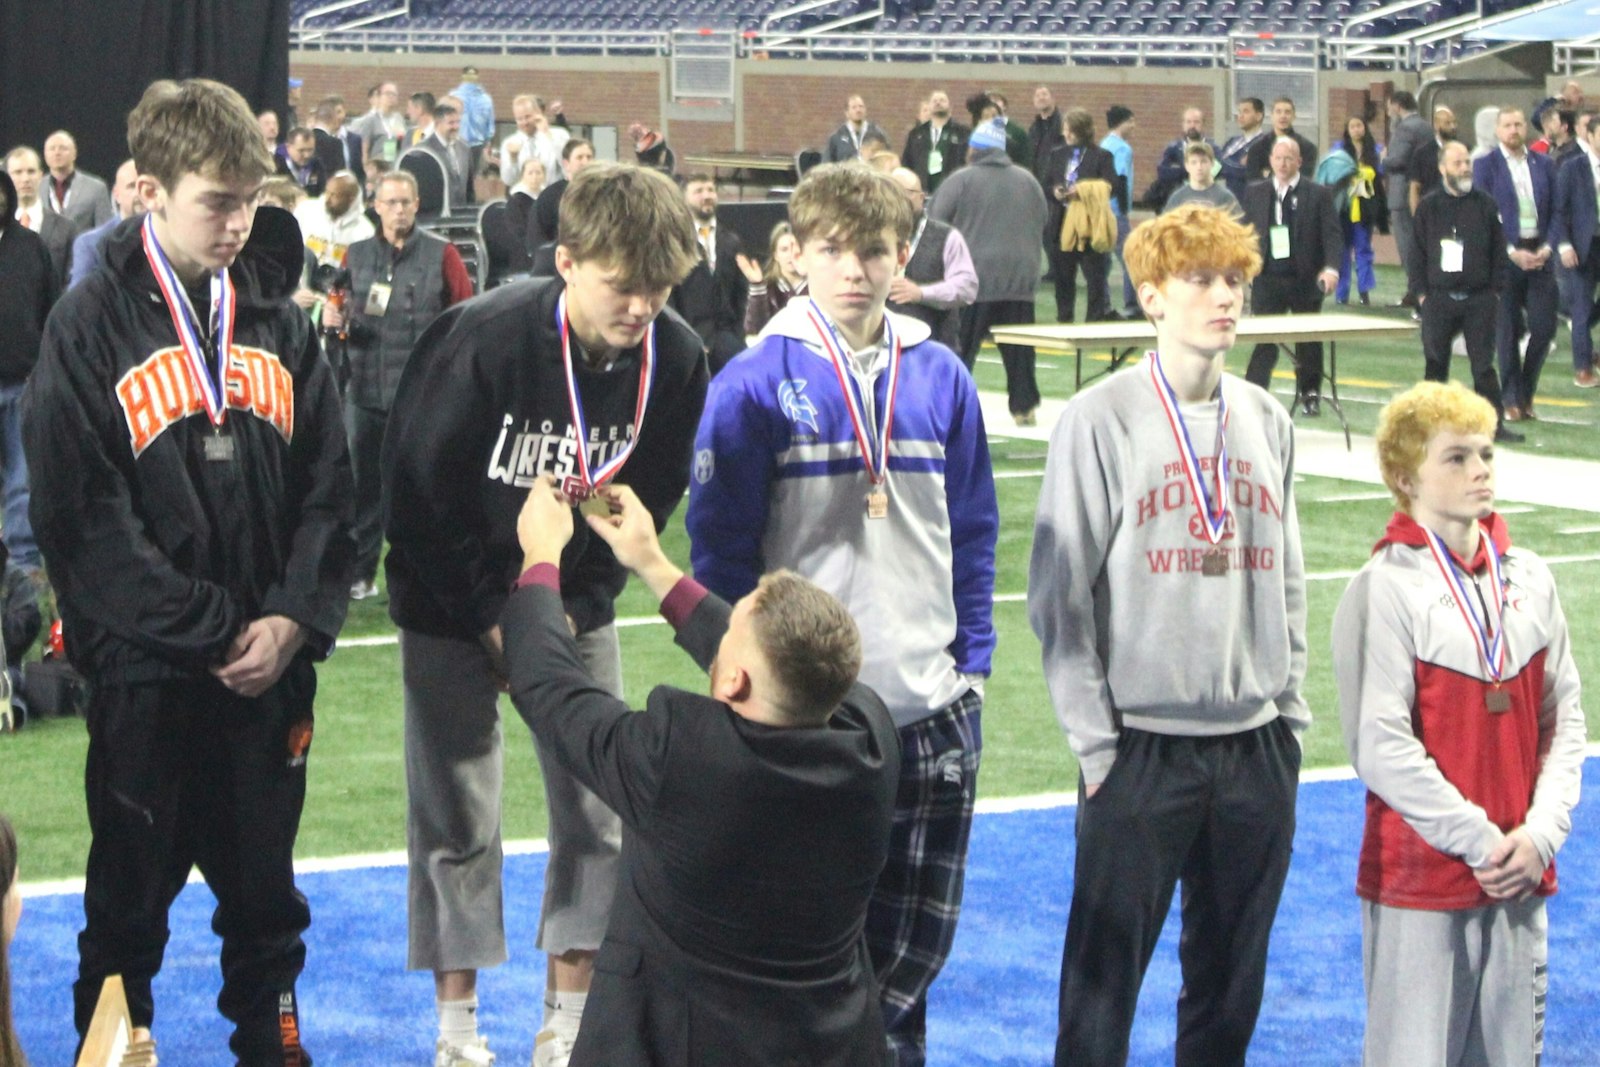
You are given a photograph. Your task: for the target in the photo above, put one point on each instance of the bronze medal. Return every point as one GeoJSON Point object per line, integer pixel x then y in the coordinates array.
{"type": "Point", "coordinates": [877, 504]}
{"type": "Point", "coordinates": [1497, 700]}
{"type": "Point", "coordinates": [1215, 563]}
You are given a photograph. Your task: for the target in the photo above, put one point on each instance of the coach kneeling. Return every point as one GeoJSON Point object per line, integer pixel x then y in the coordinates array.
{"type": "Point", "coordinates": [757, 817]}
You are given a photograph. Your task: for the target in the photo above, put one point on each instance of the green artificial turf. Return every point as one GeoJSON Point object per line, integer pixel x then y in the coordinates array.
{"type": "Point", "coordinates": [357, 776]}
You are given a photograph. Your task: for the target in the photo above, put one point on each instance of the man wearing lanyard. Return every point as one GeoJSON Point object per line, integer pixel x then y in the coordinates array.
{"type": "Point", "coordinates": [936, 147]}
{"type": "Point", "coordinates": [1522, 184]}
{"type": "Point", "coordinates": [1458, 241]}
{"type": "Point", "coordinates": [818, 454]}
{"type": "Point", "coordinates": [399, 281]}
{"type": "Point", "coordinates": [1167, 589]}
{"type": "Point", "coordinates": [1460, 704]}
{"type": "Point", "coordinates": [576, 378]}
{"type": "Point", "coordinates": [193, 504]}
{"type": "Point", "coordinates": [845, 143]}
{"type": "Point", "coordinates": [1575, 232]}
{"type": "Point", "coordinates": [1235, 155]}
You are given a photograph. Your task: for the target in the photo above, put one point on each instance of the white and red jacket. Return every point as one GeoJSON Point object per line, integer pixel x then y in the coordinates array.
{"type": "Point", "coordinates": [1446, 777]}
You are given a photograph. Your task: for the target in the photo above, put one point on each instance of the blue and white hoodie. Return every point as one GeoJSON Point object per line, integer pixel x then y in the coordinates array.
{"type": "Point", "coordinates": [779, 481]}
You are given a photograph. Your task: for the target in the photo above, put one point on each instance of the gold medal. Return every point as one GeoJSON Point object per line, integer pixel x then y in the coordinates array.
{"type": "Point", "coordinates": [877, 504]}
{"type": "Point", "coordinates": [595, 504]}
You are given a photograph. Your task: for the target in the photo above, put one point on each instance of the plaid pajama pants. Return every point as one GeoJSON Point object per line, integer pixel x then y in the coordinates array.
{"type": "Point", "coordinates": [911, 919]}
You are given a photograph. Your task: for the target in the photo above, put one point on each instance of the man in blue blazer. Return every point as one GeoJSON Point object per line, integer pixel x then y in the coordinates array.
{"type": "Point", "coordinates": [1522, 184]}
{"type": "Point", "coordinates": [757, 817]}
{"type": "Point", "coordinates": [1575, 233]}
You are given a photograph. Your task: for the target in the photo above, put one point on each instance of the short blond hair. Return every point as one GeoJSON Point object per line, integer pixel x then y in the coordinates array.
{"type": "Point", "coordinates": [850, 201]}
{"type": "Point", "coordinates": [810, 642]}
{"type": "Point", "coordinates": [1190, 237]}
{"type": "Point", "coordinates": [632, 220]}
{"type": "Point", "coordinates": [198, 127]}
{"type": "Point", "coordinates": [1409, 421]}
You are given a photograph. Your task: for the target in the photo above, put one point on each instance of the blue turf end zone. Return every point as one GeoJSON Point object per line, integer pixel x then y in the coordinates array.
{"type": "Point", "coordinates": [995, 1004]}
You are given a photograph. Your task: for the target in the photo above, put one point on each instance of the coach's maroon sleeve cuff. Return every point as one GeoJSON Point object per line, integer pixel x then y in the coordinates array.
{"type": "Point", "coordinates": [545, 574]}
{"type": "Point", "coordinates": [679, 604]}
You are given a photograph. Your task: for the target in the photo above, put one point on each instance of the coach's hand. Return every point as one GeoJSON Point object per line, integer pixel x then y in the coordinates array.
{"type": "Point", "coordinates": [545, 524]}
{"type": "Point", "coordinates": [1514, 867]}
{"type": "Point", "coordinates": [260, 654]}
{"type": "Point", "coordinates": [630, 530]}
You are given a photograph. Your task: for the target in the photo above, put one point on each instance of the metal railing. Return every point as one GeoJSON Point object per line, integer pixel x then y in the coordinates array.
{"type": "Point", "coordinates": [400, 9]}
{"type": "Point", "coordinates": [1001, 47]}
{"type": "Point", "coordinates": [1576, 57]}
{"type": "Point", "coordinates": [522, 42]}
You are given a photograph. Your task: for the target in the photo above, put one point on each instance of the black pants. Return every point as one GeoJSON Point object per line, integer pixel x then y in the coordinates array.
{"type": "Point", "coordinates": [1022, 384]}
{"type": "Point", "coordinates": [1216, 813]}
{"type": "Point", "coordinates": [1527, 305]}
{"type": "Point", "coordinates": [364, 426]}
{"type": "Point", "coordinates": [1275, 294]}
{"type": "Point", "coordinates": [1096, 268]}
{"type": "Point", "coordinates": [183, 774]}
{"type": "Point", "coordinates": [1443, 317]}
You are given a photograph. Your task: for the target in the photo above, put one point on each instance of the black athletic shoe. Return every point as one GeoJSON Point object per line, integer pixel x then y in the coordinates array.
{"type": "Point", "coordinates": [1506, 435]}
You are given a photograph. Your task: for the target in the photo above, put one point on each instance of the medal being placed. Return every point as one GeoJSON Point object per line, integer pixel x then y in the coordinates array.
{"type": "Point", "coordinates": [583, 488]}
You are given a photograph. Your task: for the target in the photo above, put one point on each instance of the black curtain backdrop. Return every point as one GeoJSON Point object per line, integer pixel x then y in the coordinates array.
{"type": "Point", "coordinates": [81, 65]}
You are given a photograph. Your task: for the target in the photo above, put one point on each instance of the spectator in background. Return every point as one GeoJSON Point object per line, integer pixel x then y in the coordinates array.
{"type": "Point", "coordinates": [1018, 147]}
{"type": "Point", "coordinates": [1079, 173]}
{"type": "Point", "coordinates": [79, 196]}
{"type": "Point", "coordinates": [845, 143]}
{"type": "Point", "coordinates": [267, 121]}
{"type": "Point", "coordinates": [938, 280]}
{"type": "Point", "coordinates": [291, 114]}
{"type": "Point", "coordinates": [713, 297]}
{"type": "Point", "coordinates": [299, 161]}
{"type": "Point", "coordinates": [522, 196]}
{"type": "Point", "coordinates": [1424, 175]}
{"type": "Point", "coordinates": [419, 119]}
{"type": "Point", "coordinates": [1202, 188]}
{"type": "Point", "coordinates": [1575, 233]}
{"type": "Point", "coordinates": [535, 139]}
{"type": "Point", "coordinates": [86, 250]}
{"type": "Point", "coordinates": [1408, 131]}
{"type": "Point", "coordinates": [1172, 171]}
{"type": "Point", "coordinates": [1362, 208]}
{"type": "Point", "coordinates": [57, 231]}
{"type": "Point", "coordinates": [477, 116]}
{"type": "Point", "coordinates": [453, 154]}
{"type": "Point", "coordinates": [1522, 185]}
{"type": "Point", "coordinates": [28, 289]}
{"type": "Point", "coordinates": [1484, 126]}
{"type": "Point", "coordinates": [936, 147]}
{"type": "Point", "coordinates": [1301, 247]}
{"type": "Point", "coordinates": [772, 287]}
{"type": "Point", "coordinates": [334, 221]}
{"type": "Point", "coordinates": [997, 207]}
{"type": "Point", "coordinates": [10, 912]}
{"type": "Point", "coordinates": [337, 147]}
{"type": "Point", "coordinates": [1572, 97]}
{"type": "Point", "coordinates": [650, 149]}
{"type": "Point", "coordinates": [1236, 154]}
{"type": "Point", "coordinates": [1259, 162]}
{"type": "Point", "coordinates": [383, 127]}
{"type": "Point", "coordinates": [1119, 124]}
{"type": "Point", "coordinates": [1560, 132]}
{"type": "Point", "coordinates": [545, 219]}
{"type": "Point", "coordinates": [400, 279]}
{"type": "Point", "coordinates": [1459, 294]}
{"type": "Point", "coordinates": [280, 191]}
{"type": "Point", "coordinates": [1045, 133]}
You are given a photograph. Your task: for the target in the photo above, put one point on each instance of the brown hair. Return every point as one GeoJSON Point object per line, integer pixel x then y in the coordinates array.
{"type": "Point", "coordinates": [1190, 237]}
{"type": "Point", "coordinates": [810, 642]}
{"type": "Point", "coordinates": [10, 1049]}
{"type": "Point", "coordinates": [855, 203]}
{"type": "Point", "coordinates": [1409, 421]}
{"type": "Point", "coordinates": [196, 127]}
{"type": "Point", "coordinates": [774, 273]}
{"type": "Point", "coordinates": [281, 191]}
{"type": "Point", "coordinates": [632, 219]}
{"type": "Point", "coordinates": [1080, 124]}
{"type": "Point", "coordinates": [1199, 148]}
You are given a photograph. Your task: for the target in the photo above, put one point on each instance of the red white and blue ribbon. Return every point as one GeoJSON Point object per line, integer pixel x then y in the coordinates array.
{"type": "Point", "coordinates": [1491, 651]}
{"type": "Point", "coordinates": [187, 323]}
{"type": "Point", "coordinates": [873, 439]}
{"type": "Point", "coordinates": [593, 479]}
{"type": "Point", "coordinates": [1213, 514]}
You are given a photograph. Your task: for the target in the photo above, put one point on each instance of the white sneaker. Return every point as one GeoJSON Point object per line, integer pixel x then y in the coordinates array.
{"type": "Point", "coordinates": [551, 1049]}
{"type": "Point", "coordinates": [474, 1053]}
{"type": "Point", "coordinates": [361, 590]}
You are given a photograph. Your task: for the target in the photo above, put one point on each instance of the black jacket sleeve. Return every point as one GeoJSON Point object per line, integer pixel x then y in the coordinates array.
{"type": "Point", "coordinates": [101, 559]}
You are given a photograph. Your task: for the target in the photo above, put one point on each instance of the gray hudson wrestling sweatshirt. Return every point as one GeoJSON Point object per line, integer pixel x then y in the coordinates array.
{"type": "Point", "coordinates": [1134, 633]}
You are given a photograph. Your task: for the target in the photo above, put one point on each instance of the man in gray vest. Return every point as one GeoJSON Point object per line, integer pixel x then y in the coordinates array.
{"type": "Point", "coordinates": [939, 278]}
{"type": "Point", "coordinates": [399, 280]}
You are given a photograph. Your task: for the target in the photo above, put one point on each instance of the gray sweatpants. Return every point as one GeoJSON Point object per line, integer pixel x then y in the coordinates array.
{"type": "Point", "coordinates": [1454, 988]}
{"type": "Point", "coordinates": [453, 777]}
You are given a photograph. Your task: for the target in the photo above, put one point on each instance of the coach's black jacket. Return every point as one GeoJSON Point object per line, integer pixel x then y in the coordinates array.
{"type": "Point", "coordinates": [158, 555]}
{"type": "Point", "coordinates": [750, 854]}
{"type": "Point", "coordinates": [482, 412]}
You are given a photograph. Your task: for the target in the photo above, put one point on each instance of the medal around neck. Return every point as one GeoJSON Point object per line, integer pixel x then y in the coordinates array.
{"type": "Point", "coordinates": [1491, 650]}
{"type": "Point", "coordinates": [580, 488]}
{"type": "Point", "coordinates": [872, 438]}
{"type": "Point", "coordinates": [186, 323]}
{"type": "Point", "coordinates": [1213, 512]}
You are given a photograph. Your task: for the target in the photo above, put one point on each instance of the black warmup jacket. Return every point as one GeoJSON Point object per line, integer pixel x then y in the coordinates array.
{"type": "Point", "coordinates": [158, 555]}
{"type": "Point", "coordinates": [28, 287]}
{"type": "Point", "coordinates": [482, 412]}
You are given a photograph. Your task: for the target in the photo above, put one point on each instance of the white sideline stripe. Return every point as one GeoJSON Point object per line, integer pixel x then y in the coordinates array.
{"type": "Point", "coordinates": [1348, 498]}
{"type": "Point", "coordinates": [381, 640]}
{"type": "Point", "coordinates": [1568, 531]}
{"type": "Point", "coordinates": [1020, 474]}
{"type": "Point", "coordinates": [375, 860]}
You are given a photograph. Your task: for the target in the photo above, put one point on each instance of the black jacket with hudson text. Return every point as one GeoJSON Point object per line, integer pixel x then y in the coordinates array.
{"type": "Point", "coordinates": [159, 554]}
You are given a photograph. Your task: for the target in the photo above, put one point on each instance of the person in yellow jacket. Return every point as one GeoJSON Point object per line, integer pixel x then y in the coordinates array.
{"type": "Point", "coordinates": [1080, 228]}
{"type": "Point", "coordinates": [1365, 208]}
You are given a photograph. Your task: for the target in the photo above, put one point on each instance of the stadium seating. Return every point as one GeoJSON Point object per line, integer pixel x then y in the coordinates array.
{"type": "Point", "coordinates": [1125, 18]}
